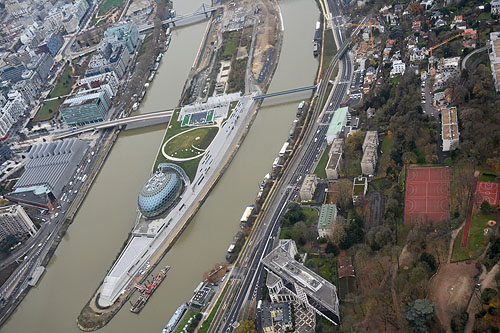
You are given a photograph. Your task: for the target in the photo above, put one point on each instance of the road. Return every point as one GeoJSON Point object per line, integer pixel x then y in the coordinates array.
{"type": "Point", "coordinates": [261, 242]}
{"type": "Point", "coordinates": [116, 122]}
{"type": "Point", "coordinates": [33, 252]}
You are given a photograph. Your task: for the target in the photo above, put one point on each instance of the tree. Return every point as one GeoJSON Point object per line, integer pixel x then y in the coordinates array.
{"type": "Point", "coordinates": [485, 207]}
{"type": "Point", "coordinates": [416, 8]}
{"type": "Point", "coordinates": [332, 248]}
{"type": "Point", "coordinates": [338, 234]}
{"type": "Point", "coordinates": [418, 313]}
{"type": "Point", "coordinates": [246, 326]}
{"type": "Point", "coordinates": [429, 259]}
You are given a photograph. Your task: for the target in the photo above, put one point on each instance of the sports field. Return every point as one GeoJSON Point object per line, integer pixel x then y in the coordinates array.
{"type": "Point", "coordinates": [198, 118]}
{"type": "Point", "coordinates": [427, 194]}
{"type": "Point", "coordinates": [488, 191]}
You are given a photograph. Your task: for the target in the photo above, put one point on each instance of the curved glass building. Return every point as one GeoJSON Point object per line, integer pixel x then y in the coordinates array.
{"type": "Point", "coordinates": [159, 192]}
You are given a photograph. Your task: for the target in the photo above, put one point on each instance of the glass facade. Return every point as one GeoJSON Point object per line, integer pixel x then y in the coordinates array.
{"type": "Point", "coordinates": [159, 193]}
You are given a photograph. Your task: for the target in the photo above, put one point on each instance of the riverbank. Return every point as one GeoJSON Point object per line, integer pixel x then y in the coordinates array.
{"type": "Point", "coordinates": [91, 317]}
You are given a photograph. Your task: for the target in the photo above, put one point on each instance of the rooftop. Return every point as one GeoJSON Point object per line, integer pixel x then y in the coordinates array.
{"type": "Point", "coordinates": [333, 161]}
{"type": "Point", "coordinates": [309, 183]}
{"type": "Point", "coordinates": [51, 165]}
{"type": "Point", "coordinates": [449, 123]}
{"type": "Point", "coordinates": [327, 216]}
{"type": "Point", "coordinates": [82, 99]}
{"type": "Point", "coordinates": [281, 263]}
{"type": "Point", "coordinates": [338, 121]}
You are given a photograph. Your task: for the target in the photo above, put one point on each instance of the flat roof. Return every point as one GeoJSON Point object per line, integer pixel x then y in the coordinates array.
{"type": "Point", "coordinates": [333, 161]}
{"type": "Point", "coordinates": [369, 154]}
{"type": "Point", "coordinates": [309, 183]}
{"type": "Point", "coordinates": [337, 121]}
{"type": "Point", "coordinates": [327, 215]}
{"type": "Point", "coordinates": [449, 121]}
{"type": "Point", "coordinates": [282, 264]}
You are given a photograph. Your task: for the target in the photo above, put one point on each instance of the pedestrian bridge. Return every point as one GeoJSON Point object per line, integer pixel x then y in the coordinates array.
{"type": "Point", "coordinates": [285, 92]}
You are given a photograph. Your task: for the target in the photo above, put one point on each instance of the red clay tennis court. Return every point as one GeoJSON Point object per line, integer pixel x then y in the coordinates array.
{"type": "Point", "coordinates": [427, 194]}
{"type": "Point", "coordinates": [488, 191]}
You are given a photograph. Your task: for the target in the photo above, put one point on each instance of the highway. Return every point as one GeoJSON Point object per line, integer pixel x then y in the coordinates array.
{"type": "Point", "coordinates": [250, 270]}
{"type": "Point", "coordinates": [32, 253]}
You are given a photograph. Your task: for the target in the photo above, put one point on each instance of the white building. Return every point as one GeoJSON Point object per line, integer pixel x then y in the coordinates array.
{"type": "Point", "coordinates": [106, 81]}
{"type": "Point", "coordinates": [332, 168]}
{"type": "Point", "coordinates": [15, 106]}
{"type": "Point", "coordinates": [308, 187]}
{"type": "Point", "coordinates": [370, 153]}
{"type": "Point", "coordinates": [15, 222]}
{"type": "Point", "coordinates": [398, 68]}
{"type": "Point", "coordinates": [6, 122]}
{"type": "Point", "coordinates": [495, 57]}
{"type": "Point", "coordinates": [417, 54]}
{"type": "Point", "coordinates": [495, 7]}
{"type": "Point", "coordinates": [449, 128]}
{"type": "Point", "coordinates": [289, 280]}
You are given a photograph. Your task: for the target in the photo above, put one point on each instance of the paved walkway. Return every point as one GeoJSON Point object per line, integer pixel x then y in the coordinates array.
{"type": "Point", "coordinates": [176, 159]}
{"type": "Point", "coordinates": [482, 49]}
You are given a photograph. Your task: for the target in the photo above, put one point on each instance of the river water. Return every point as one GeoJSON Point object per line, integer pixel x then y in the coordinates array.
{"type": "Point", "coordinates": [108, 213]}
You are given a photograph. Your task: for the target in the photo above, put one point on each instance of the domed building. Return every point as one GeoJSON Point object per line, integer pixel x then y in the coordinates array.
{"type": "Point", "coordinates": [160, 192]}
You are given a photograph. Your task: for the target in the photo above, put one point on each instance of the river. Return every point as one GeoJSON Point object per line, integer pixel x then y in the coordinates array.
{"type": "Point", "coordinates": [108, 213]}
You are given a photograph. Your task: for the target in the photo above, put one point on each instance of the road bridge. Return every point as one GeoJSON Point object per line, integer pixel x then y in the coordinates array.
{"type": "Point", "coordinates": [203, 10]}
{"type": "Point", "coordinates": [147, 118]}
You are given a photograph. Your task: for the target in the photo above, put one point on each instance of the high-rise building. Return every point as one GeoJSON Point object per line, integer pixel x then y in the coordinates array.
{"type": "Point", "coordinates": [85, 109]}
{"type": "Point", "coordinates": [15, 222]}
{"type": "Point", "coordinates": [288, 280]}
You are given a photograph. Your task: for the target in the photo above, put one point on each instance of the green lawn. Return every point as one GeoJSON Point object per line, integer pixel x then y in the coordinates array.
{"type": "Point", "coordinates": [385, 158]}
{"type": "Point", "coordinates": [108, 4]}
{"type": "Point", "coordinates": [291, 232]}
{"type": "Point", "coordinates": [174, 128]}
{"type": "Point", "coordinates": [485, 16]}
{"type": "Point", "coordinates": [487, 177]}
{"type": "Point", "coordinates": [190, 313]}
{"type": "Point", "coordinates": [232, 43]}
{"type": "Point", "coordinates": [320, 168]}
{"type": "Point", "coordinates": [62, 87]}
{"type": "Point", "coordinates": [206, 325]}
{"type": "Point", "coordinates": [329, 49]}
{"type": "Point", "coordinates": [191, 143]}
{"type": "Point", "coordinates": [477, 241]}
{"type": "Point", "coordinates": [324, 266]}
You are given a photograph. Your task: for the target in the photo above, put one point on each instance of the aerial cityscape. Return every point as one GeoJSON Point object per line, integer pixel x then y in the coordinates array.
{"type": "Point", "coordinates": [249, 166]}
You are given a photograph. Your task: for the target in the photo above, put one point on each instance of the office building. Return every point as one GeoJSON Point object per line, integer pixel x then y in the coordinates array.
{"type": "Point", "coordinates": [5, 153]}
{"type": "Point", "coordinates": [15, 222]}
{"type": "Point", "coordinates": [86, 108]}
{"type": "Point", "coordinates": [449, 128]}
{"type": "Point", "coordinates": [106, 81]}
{"type": "Point", "coordinates": [288, 280]}
{"type": "Point", "coordinates": [126, 33]}
{"type": "Point", "coordinates": [41, 65]}
{"type": "Point", "coordinates": [48, 169]}
{"type": "Point", "coordinates": [327, 218]}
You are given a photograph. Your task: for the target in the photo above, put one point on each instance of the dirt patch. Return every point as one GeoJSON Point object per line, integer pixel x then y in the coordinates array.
{"type": "Point", "coordinates": [450, 290]}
